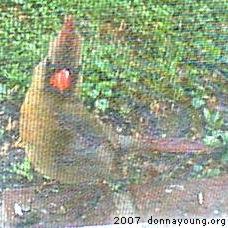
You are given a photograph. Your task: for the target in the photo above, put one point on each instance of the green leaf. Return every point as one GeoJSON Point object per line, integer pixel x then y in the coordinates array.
{"type": "Point", "coordinates": [224, 158]}
{"type": "Point", "coordinates": [212, 172]}
{"type": "Point", "coordinates": [197, 102]}
{"type": "Point", "coordinates": [207, 114]}
{"type": "Point", "coordinates": [3, 89]}
{"type": "Point", "coordinates": [197, 168]}
{"type": "Point", "coordinates": [94, 93]}
{"type": "Point", "coordinates": [212, 141]}
{"type": "Point", "coordinates": [102, 104]}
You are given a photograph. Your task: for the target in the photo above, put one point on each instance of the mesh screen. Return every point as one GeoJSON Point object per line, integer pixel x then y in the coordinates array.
{"type": "Point", "coordinates": [113, 112]}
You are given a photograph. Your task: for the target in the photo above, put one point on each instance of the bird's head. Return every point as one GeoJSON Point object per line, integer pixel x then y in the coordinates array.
{"type": "Point", "coordinates": [64, 58]}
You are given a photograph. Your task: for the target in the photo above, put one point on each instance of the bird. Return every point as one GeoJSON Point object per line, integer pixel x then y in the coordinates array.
{"type": "Point", "coordinates": [61, 138]}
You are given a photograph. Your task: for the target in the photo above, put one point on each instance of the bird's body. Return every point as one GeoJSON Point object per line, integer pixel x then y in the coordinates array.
{"type": "Point", "coordinates": [61, 139]}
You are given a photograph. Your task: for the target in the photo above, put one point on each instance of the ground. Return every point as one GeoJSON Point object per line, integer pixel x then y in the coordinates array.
{"type": "Point", "coordinates": [166, 186]}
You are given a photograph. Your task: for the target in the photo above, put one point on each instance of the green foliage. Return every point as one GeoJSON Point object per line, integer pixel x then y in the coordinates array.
{"type": "Point", "coordinates": [224, 158]}
{"type": "Point", "coordinates": [26, 28]}
{"type": "Point", "coordinates": [197, 102]}
{"type": "Point", "coordinates": [213, 119]}
{"type": "Point", "coordinates": [2, 132]}
{"type": "Point", "coordinates": [201, 172]}
{"type": "Point", "coordinates": [23, 169]}
{"type": "Point", "coordinates": [197, 168]}
{"type": "Point", "coordinates": [212, 172]}
{"type": "Point", "coordinates": [130, 48]}
{"type": "Point", "coordinates": [101, 104]}
{"type": "Point", "coordinates": [117, 186]}
{"type": "Point", "coordinates": [164, 39]}
{"type": "Point", "coordinates": [3, 91]}
{"type": "Point", "coordinates": [215, 136]}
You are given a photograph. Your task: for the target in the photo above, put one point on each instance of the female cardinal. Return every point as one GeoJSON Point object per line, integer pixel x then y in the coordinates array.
{"type": "Point", "coordinates": [61, 138]}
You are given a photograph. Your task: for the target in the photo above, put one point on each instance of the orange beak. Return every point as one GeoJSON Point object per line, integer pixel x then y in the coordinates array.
{"type": "Point", "coordinates": [61, 80]}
